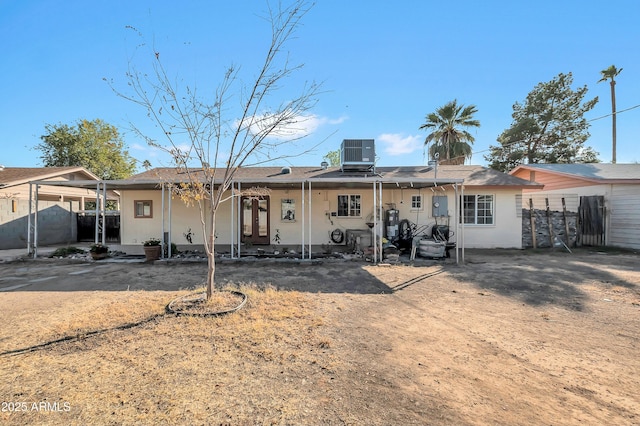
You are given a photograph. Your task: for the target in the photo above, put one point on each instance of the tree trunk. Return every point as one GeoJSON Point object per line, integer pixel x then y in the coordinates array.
{"type": "Point", "coordinates": [211, 258]}
{"type": "Point", "coordinates": [613, 119]}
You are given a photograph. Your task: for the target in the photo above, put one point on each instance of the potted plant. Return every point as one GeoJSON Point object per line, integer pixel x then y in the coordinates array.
{"type": "Point", "coordinates": [152, 248]}
{"type": "Point", "coordinates": [98, 251]}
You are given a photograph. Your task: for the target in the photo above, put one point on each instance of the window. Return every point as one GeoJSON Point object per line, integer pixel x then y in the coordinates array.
{"type": "Point", "coordinates": [143, 209]}
{"type": "Point", "coordinates": [349, 206]}
{"type": "Point", "coordinates": [416, 202]}
{"type": "Point", "coordinates": [478, 209]}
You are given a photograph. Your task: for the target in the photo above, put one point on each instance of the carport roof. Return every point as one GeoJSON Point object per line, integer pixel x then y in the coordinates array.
{"type": "Point", "coordinates": [12, 176]}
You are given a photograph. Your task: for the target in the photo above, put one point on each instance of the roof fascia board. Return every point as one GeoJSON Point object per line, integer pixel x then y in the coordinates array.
{"type": "Point", "coordinates": [571, 175]}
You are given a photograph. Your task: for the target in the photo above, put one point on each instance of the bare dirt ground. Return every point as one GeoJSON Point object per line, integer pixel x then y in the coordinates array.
{"type": "Point", "coordinates": [508, 338]}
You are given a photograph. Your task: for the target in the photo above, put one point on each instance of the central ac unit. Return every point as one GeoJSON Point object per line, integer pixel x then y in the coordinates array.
{"type": "Point", "coordinates": [357, 154]}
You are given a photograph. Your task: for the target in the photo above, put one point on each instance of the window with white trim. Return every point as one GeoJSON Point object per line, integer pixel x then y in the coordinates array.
{"type": "Point", "coordinates": [349, 206]}
{"type": "Point", "coordinates": [478, 209]}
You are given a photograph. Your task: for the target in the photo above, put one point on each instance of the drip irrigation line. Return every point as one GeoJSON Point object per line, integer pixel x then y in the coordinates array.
{"type": "Point", "coordinates": [80, 336]}
{"type": "Point", "coordinates": [199, 299]}
{"type": "Point", "coordinates": [416, 280]}
{"type": "Point", "coordinates": [168, 311]}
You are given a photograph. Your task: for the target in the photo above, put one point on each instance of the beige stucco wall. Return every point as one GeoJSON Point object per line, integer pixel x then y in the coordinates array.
{"type": "Point", "coordinates": [317, 219]}
{"type": "Point", "coordinates": [506, 232]}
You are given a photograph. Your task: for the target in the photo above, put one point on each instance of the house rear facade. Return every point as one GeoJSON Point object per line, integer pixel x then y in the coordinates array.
{"type": "Point", "coordinates": [308, 209]}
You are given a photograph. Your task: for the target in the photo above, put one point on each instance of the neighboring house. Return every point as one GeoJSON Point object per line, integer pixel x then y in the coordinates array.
{"type": "Point", "coordinates": [316, 208]}
{"type": "Point", "coordinates": [56, 203]}
{"type": "Point", "coordinates": [608, 193]}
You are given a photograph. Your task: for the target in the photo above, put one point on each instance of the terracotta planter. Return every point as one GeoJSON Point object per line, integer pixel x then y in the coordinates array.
{"type": "Point", "coordinates": [152, 252]}
{"type": "Point", "coordinates": [98, 256]}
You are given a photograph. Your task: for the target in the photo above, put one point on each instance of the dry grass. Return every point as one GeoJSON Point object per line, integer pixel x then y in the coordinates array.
{"type": "Point", "coordinates": [173, 370]}
{"type": "Point", "coordinates": [80, 314]}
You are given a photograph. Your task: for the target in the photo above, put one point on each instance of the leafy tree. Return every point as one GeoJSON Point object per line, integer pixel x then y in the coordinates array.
{"type": "Point", "coordinates": [452, 140]}
{"type": "Point", "coordinates": [94, 145]}
{"type": "Point", "coordinates": [209, 139]}
{"type": "Point", "coordinates": [610, 74]}
{"type": "Point", "coordinates": [548, 127]}
{"type": "Point", "coordinates": [333, 157]}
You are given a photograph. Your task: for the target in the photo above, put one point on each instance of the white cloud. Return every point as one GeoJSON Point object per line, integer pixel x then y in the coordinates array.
{"type": "Point", "coordinates": [398, 144]}
{"type": "Point", "coordinates": [297, 127]}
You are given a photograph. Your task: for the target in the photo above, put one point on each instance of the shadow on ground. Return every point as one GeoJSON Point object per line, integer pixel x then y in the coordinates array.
{"type": "Point", "coordinates": [545, 278]}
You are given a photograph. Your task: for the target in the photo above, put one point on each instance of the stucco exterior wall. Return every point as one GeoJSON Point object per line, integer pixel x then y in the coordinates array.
{"type": "Point", "coordinates": [506, 232]}
{"type": "Point", "coordinates": [315, 215]}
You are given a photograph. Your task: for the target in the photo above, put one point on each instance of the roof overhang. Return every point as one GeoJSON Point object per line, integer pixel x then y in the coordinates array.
{"type": "Point", "coordinates": [352, 182]}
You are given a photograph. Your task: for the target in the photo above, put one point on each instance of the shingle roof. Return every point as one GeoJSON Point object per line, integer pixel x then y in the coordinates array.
{"type": "Point", "coordinates": [596, 171]}
{"type": "Point", "coordinates": [472, 175]}
{"type": "Point", "coordinates": [10, 176]}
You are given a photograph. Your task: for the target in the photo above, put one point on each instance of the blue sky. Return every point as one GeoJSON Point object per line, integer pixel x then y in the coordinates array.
{"type": "Point", "coordinates": [384, 65]}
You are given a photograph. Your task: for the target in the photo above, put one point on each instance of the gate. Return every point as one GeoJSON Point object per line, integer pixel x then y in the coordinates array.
{"type": "Point", "coordinates": [87, 227]}
{"type": "Point", "coordinates": [591, 215]}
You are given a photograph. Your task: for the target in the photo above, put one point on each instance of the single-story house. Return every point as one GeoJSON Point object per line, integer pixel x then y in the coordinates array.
{"type": "Point", "coordinates": [309, 209]}
{"type": "Point", "coordinates": [606, 193]}
{"type": "Point", "coordinates": [55, 204]}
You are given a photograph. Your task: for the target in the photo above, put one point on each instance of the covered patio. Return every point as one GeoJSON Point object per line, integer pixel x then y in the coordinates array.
{"type": "Point", "coordinates": [381, 186]}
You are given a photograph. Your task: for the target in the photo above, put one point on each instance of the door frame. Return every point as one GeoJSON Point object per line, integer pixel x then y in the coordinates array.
{"type": "Point", "coordinates": [255, 238]}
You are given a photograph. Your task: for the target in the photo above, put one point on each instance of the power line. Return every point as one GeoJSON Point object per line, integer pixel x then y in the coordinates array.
{"type": "Point", "coordinates": [616, 113]}
{"type": "Point", "coordinates": [588, 121]}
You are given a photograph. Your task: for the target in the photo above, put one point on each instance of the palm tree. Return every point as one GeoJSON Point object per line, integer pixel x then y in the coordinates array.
{"type": "Point", "coordinates": [611, 73]}
{"type": "Point", "coordinates": [452, 141]}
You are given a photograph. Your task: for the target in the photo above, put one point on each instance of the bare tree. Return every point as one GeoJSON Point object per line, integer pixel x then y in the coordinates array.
{"type": "Point", "coordinates": [219, 137]}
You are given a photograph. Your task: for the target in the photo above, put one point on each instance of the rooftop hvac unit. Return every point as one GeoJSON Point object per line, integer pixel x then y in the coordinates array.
{"type": "Point", "coordinates": [357, 154]}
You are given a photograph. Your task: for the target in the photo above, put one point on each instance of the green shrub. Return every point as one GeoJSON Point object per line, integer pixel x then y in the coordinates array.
{"type": "Point", "coordinates": [66, 251]}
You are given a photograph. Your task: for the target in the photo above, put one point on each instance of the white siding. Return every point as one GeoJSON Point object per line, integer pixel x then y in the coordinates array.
{"type": "Point", "coordinates": [624, 210]}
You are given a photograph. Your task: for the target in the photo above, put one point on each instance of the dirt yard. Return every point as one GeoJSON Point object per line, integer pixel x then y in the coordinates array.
{"type": "Point", "coordinates": [508, 338]}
